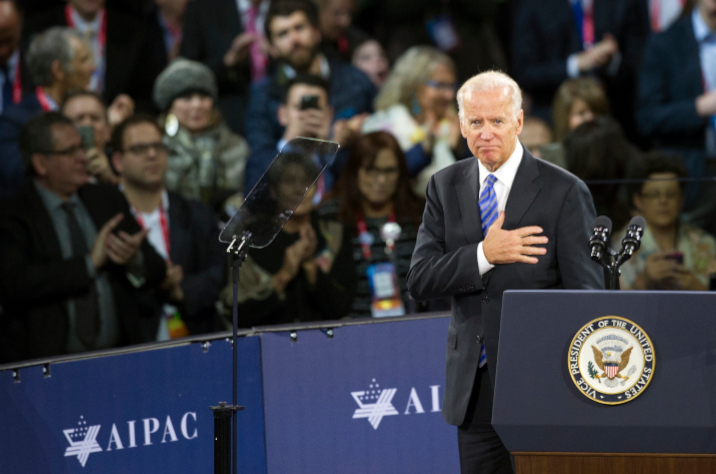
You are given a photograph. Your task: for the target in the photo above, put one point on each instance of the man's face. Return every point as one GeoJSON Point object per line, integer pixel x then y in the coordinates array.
{"type": "Point", "coordinates": [295, 40]}
{"type": "Point", "coordinates": [80, 74]}
{"type": "Point", "coordinates": [10, 29]}
{"type": "Point", "coordinates": [336, 17]}
{"type": "Point", "coordinates": [87, 111]}
{"type": "Point", "coordinates": [143, 162]}
{"type": "Point", "coordinates": [63, 170]}
{"type": "Point", "coordinates": [490, 126]}
{"type": "Point", "coordinates": [313, 123]}
{"type": "Point", "coordinates": [87, 8]}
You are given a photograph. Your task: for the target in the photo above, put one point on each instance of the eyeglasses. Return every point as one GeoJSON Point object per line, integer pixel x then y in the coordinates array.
{"type": "Point", "coordinates": [653, 196]}
{"type": "Point", "coordinates": [374, 173]}
{"type": "Point", "coordinates": [74, 150]}
{"type": "Point", "coordinates": [142, 149]}
{"type": "Point", "coordinates": [445, 86]}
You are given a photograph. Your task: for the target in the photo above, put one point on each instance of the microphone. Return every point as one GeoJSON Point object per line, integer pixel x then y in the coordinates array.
{"type": "Point", "coordinates": [599, 243]}
{"type": "Point", "coordinates": [632, 239]}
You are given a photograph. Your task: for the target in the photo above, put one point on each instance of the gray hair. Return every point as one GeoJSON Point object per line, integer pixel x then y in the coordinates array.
{"type": "Point", "coordinates": [49, 46]}
{"type": "Point", "coordinates": [410, 71]}
{"type": "Point", "coordinates": [488, 81]}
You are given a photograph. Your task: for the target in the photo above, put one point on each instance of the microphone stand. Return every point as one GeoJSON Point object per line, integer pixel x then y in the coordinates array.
{"type": "Point", "coordinates": [611, 261]}
{"type": "Point", "coordinates": [223, 456]}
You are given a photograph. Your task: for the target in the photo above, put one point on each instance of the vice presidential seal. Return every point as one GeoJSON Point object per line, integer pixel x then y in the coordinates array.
{"type": "Point", "coordinates": [611, 360]}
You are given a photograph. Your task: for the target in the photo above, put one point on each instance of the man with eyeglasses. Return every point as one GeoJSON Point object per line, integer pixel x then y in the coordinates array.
{"type": "Point", "coordinates": [71, 255]}
{"type": "Point", "coordinates": [183, 231]}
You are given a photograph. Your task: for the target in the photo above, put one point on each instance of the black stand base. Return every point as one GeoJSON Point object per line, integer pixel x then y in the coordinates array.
{"type": "Point", "coordinates": [222, 436]}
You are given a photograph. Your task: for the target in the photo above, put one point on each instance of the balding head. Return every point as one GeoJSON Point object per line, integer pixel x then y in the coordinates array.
{"type": "Point", "coordinates": [10, 29]}
{"type": "Point", "coordinates": [490, 81]}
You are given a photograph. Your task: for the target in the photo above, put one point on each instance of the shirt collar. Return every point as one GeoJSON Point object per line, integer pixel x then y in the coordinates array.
{"type": "Point", "coordinates": [701, 31]}
{"type": "Point", "coordinates": [81, 25]}
{"type": "Point", "coordinates": [12, 64]}
{"type": "Point", "coordinates": [245, 5]}
{"type": "Point", "coordinates": [53, 201]}
{"type": "Point", "coordinates": [505, 173]}
{"type": "Point", "coordinates": [290, 72]}
{"type": "Point", "coordinates": [165, 200]}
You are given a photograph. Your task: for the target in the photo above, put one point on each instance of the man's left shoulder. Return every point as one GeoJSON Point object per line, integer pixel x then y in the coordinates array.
{"type": "Point", "coordinates": [343, 73]}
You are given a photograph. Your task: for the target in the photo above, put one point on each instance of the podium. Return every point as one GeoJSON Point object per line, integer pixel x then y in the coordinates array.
{"type": "Point", "coordinates": [550, 426]}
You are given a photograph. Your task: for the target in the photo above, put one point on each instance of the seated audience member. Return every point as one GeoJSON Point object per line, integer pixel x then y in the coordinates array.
{"type": "Point", "coordinates": [58, 61]}
{"type": "Point", "coordinates": [170, 15]}
{"type": "Point", "coordinates": [417, 106]}
{"type": "Point", "coordinates": [228, 36]}
{"type": "Point", "coordinates": [373, 191]}
{"type": "Point", "coordinates": [13, 73]}
{"type": "Point", "coordinates": [184, 232]}
{"type": "Point", "coordinates": [597, 150]}
{"type": "Point", "coordinates": [369, 57]}
{"type": "Point", "coordinates": [292, 29]}
{"type": "Point", "coordinates": [677, 92]}
{"type": "Point", "coordinates": [535, 135]}
{"type": "Point", "coordinates": [306, 274]}
{"type": "Point", "coordinates": [128, 51]}
{"type": "Point", "coordinates": [554, 40]}
{"type": "Point", "coordinates": [311, 122]}
{"type": "Point", "coordinates": [673, 255]}
{"type": "Point", "coordinates": [339, 37]}
{"type": "Point", "coordinates": [71, 254]}
{"type": "Point", "coordinates": [206, 159]}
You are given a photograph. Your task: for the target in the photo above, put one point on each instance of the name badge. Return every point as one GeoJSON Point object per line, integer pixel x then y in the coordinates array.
{"type": "Point", "coordinates": [384, 291]}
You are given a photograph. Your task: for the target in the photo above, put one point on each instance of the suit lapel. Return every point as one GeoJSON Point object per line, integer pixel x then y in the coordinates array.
{"type": "Point", "coordinates": [523, 191]}
{"type": "Point", "coordinates": [468, 202]}
{"type": "Point", "coordinates": [36, 212]}
{"type": "Point", "coordinates": [179, 230]}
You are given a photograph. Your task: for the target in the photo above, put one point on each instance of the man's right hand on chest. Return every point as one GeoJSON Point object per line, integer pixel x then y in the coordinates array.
{"type": "Point", "coordinates": [511, 246]}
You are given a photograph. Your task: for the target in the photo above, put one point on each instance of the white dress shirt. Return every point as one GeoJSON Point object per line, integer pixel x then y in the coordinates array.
{"type": "Point", "coordinates": [505, 175]}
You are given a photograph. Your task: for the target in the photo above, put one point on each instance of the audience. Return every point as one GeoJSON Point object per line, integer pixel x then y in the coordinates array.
{"type": "Point", "coordinates": [57, 62]}
{"type": "Point", "coordinates": [663, 13]}
{"type": "Point", "coordinates": [128, 51]}
{"type": "Point", "coordinates": [228, 36]}
{"type": "Point", "coordinates": [373, 191]}
{"type": "Point", "coordinates": [597, 150]}
{"type": "Point", "coordinates": [575, 102]}
{"type": "Point", "coordinates": [170, 16]}
{"type": "Point", "coordinates": [206, 159]}
{"type": "Point", "coordinates": [306, 274]}
{"type": "Point", "coordinates": [183, 231]}
{"type": "Point", "coordinates": [535, 135]}
{"type": "Point", "coordinates": [417, 106]}
{"type": "Point", "coordinates": [339, 37]}
{"type": "Point", "coordinates": [71, 255]}
{"type": "Point", "coordinates": [292, 29]}
{"type": "Point", "coordinates": [673, 255]}
{"type": "Point", "coordinates": [12, 69]}
{"type": "Point", "coordinates": [369, 57]}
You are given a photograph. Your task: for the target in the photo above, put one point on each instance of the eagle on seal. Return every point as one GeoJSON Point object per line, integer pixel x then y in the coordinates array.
{"type": "Point", "coordinates": [611, 362]}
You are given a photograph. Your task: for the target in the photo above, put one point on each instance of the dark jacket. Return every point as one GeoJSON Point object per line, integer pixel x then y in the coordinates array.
{"type": "Point", "coordinates": [444, 263]}
{"type": "Point", "coordinates": [35, 281]}
{"type": "Point", "coordinates": [12, 120]}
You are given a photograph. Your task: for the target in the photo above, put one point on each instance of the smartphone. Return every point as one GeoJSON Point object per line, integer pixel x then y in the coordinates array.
{"type": "Point", "coordinates": [309, 102]}
{"type": "Point", "coordinates": [87, 134]}
{"type": "Point", "coordinates": [677, 256]}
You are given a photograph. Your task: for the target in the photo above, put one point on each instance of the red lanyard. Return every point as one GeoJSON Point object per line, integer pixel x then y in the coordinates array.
{"type": "Point", "coordinates": [101, 35]}
{"type": "Point", "coordinates": [162, 222]}
{"type": "Point", "coordinates": [366, 237]}
{"type": "Point", "coordinates": [588, 27]}
{"type": "Point", "coordinates": [42, 99]}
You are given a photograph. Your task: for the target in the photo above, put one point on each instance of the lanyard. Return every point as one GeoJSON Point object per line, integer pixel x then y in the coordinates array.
{"type": "Point", "coordinates": [43, 99]}
{"type": "Point", "coordinates": [102, 34]}
{"type": "Point", "coordinates": [366, 238]}
{"type": "Point", "coordinates": [162, 222]}
{"type": "Point", "coordinates": [17, 83]}
{"type": "Point", "coordinates": [585, 23]}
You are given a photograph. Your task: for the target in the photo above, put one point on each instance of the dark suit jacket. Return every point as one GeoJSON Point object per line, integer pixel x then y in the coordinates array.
{"type": "Point", "coordinates": [135, 53]}
{"type": "Point", "coordinates": [12, 120]}
{"type": "Point", "coordinates": [669, 83]}
{"type": "Point", "coordinates": [545, 35]}
{"type": "Point", "coordinates": [444, 263]}
{"type": "Point", "coordinates": [194, 242]}
{"type": "Point", "coordinates": [35, 282]}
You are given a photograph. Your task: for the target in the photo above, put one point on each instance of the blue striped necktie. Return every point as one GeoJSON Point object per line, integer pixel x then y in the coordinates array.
{"type": "Point", "coordinates": [488, 215]}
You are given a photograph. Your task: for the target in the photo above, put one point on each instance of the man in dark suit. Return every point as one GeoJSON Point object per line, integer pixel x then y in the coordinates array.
{"type": "Point", "coordinates": [71, 254]}
{"type": "Point", "coordinates": [677, 92]}
{"type": "Point", "coordinates": [554, 40]}
{"type": "Point", "coordinates": [504, 220]}
{"type": "Point", "coordinates": [185, 232]}
{"type": "Point", "coordinates": [128, 51]}
{"type": "Point", "coordinates": [13, 71]}
{"type": "Point", "coordinates": [58, 62]}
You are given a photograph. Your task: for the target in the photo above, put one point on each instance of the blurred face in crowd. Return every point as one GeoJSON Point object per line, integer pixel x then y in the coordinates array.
{"type": "Point", "coordinates": [175, 6]}
{"type": "Point", "coordinates": [291, 188]}
{"type": "Point", "coordinates": [370, 58]}
{"type": "Point", "coordinates": [143, 162]}
{"type": "Point", "coordinates": [193, 111]}
{"type": "Point", "coordinates": [660, 200]}
{"type": "Point", "coordinates": [87, 9]}
{"type": "Point", "coordinates": [80, 74]}
{"type": "Point", "coordinates": [87, 111]}
{"type": "Point", "coordinates": [378, 182]}
{"type": "Point", "coordinates": [10, 28]}
{"type": "Point", "coordinates": [438, 93]}
{"type": "Point", "coordinates": [579, 113]}
{"type": "Point", "coordinates": [64, 169]}
{"type": "Point", "coordinates": [295, 40]}
{"type": "Point", "coordinates": [490, 126]}
{"type": "Point", "coordinates": [301, 122]}
{"type": "Point", "coordinates": [707, 8]}
{"type": "Point", "coordinates": [335, 17]}
{"type": "Point", "coordinates": [535, 134]}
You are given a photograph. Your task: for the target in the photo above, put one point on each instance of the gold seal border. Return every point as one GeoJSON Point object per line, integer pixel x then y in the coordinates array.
{"type": "Point", "coordinates": [569, 367]}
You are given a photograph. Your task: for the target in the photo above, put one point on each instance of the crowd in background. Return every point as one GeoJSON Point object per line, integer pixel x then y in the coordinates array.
{"type": "Point", "coordinates": [131, 131]}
